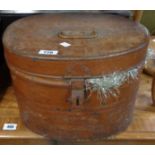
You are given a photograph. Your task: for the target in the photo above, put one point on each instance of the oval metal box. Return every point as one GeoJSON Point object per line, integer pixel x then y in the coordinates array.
{"type": "Point", "coordinates": [76, 75]}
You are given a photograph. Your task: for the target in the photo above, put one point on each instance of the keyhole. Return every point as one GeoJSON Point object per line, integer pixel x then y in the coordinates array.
{"type": "Point", "coordinates": [77, 101]}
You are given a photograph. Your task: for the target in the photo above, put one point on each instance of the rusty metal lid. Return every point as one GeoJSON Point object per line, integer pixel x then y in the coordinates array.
{"type": "Point", "coordinates": [74, 36]}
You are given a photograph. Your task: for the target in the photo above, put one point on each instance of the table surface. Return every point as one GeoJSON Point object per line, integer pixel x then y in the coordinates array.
{"type": "Point", "coordinates": [140, 131]}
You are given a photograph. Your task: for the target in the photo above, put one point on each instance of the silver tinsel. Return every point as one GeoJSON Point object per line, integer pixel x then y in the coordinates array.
{"type": "Point", "coordinates": [108, 84]}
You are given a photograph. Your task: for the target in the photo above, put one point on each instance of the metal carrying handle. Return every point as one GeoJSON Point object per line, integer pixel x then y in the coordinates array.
{"type": "Point", "coordinates": [68, 34]}
{"type": "Point", "coordinates": [77, 34]}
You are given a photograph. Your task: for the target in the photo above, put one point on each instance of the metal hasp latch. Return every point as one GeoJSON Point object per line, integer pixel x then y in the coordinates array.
{"type": "Point", "coordinates": [78, 92]}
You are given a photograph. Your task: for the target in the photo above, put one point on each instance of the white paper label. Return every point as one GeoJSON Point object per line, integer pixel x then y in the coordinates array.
{"type": "Point", "coordinates": [65, 44]}
{"type": "Point", "coordinates": [10, 126]}
{"type": "Point", "coordinates": [48, 52]}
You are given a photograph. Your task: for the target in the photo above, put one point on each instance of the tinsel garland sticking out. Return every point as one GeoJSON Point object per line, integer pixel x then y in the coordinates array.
{"type": "Point", "coordinates": [108, 85]}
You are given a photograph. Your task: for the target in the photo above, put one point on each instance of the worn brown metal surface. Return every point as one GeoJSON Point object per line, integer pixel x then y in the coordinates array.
{"type": "Point", "coordinates": [51, 89]}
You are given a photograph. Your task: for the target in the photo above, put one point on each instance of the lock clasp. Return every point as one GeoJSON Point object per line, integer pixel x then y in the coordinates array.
{"type": "Point", "coordinates": [78, 93]}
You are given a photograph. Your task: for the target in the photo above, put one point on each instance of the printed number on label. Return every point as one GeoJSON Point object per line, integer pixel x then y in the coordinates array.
{"type": "Point", "coordinates": [10, 126]}
{"type": "Point", "coordinates": [48, 52]}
